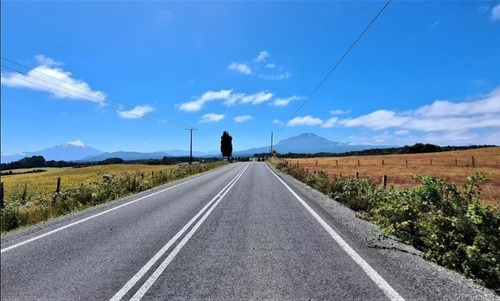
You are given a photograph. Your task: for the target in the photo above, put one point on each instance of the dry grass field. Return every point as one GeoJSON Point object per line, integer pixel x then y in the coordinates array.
{"type": "Point", "coordinates": [402, 169]}
{"type": "Point", "coordinates": [44, 183]}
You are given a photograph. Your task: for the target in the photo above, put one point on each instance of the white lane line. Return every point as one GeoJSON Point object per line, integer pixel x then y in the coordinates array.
{"type": "Point", "coordinates": [124, 290]}
{"type": "Point", "coordinates": [374, 276]}
{"type": "Point", "coordinates": [145, 287]}
{"type": "Point", "coordinates": [96, 215]}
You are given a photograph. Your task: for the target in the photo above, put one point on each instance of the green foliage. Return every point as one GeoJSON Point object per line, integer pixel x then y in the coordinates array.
{"type": "Point", "coordinates": [27, 207]}
{"type": "Point", "coordinates": [449, 225]}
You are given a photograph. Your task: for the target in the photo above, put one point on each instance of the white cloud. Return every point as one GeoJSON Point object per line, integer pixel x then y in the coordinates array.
{"type": "Point", "coordinates": [46, 61]}
{"type": "Point", "coordinates": [270, 65]}
{"type": "Point", "coordinates": [401, 132]}
{"type": "Point", "coordinates": [59, 83]}
{"type": "Point", "coordinates": [241, 68]}
{"type": "Point", "coordinates": [441, 115]}
{"type": "Point", "coordinates": [281, 76]}
{"type": "Point", "coordinates": [243, 118]}
{"type": "Point", "coordinates": [277, 121]}
{"type": "Point", "coordinates": [281, 102]}
{"type": "Point", "coordinates": [330, 122]}
{"type": "Point", "coordinates": [256, 98]}
{"type": "Point", "coordinates": [211, 117]}
{"type": "Point", "coordinates": [305, 120]}
{"type": "Point", "coordinates": [198, 104]}
{"type": "Point", "coordinates": [263, 55]}
{"type": "Point", "coordinates": [377, 120]}
{"type": "Point", "coordinates": [442, 108]}
{"type": "Point", "coordinates": [495, 13]}
{"type": "Point", "coordinates": [338, 112]}
{"type": "Point", "coordinates": [136, 112]}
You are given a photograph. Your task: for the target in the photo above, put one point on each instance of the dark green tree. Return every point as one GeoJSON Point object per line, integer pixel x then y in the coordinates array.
{"type": "Point", "coordinates": [226, 145]}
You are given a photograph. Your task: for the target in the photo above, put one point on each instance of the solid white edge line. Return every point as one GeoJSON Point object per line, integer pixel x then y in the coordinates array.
{"type": "Point", "coordinates": [124, 290]}
{"type": "Point", "coordinates": [374, 276]}
{"type": "Point", "coordinates": [151, 280]}
{"type": "Point", "coordinates": [98, 214]}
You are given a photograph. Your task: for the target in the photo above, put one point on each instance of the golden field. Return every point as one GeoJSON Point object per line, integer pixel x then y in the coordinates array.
{"type": "Point", "coordinates": [44, 183]}
{"type": "Point", "coordinates": [402, 169]}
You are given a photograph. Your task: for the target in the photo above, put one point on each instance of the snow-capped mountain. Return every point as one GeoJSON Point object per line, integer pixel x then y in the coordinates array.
{"type": "Point", "coordinates": [72, 151]}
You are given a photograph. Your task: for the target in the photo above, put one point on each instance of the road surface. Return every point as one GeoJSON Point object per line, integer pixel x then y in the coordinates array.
{"type": "Point", "coordinates": [240, 232]}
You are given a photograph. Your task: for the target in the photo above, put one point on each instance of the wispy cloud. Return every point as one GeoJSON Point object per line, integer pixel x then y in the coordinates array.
{"type": "Point", "coordinates": [495, 13]}
{"type": "Point", "coordinates": [263, 55]}
{"type": "Point", "coordinates": [256, 98]}
{"type": "Point", "coordinates": [211, 117]}
{"type": "Point", "coordinates": [330, 122]}
{"type": "Point", "coordinates": [228, 97]}
{"type": "Point", "coordinates": [198, 104]}
{"type": "Point", "coordinates": [305, 120]}
{"type": "Point", "coordinates": [241, 68]}
{"type": "Point", "coordinates": [59, 83]}
{"type": "Point", "coordinates": [282, 102]}
{"type": "Point", "coordinates": [338, 112]}
{"type": "Point", "coordinates": [281, 76]}
{"type": "Point", "coordinates": [136, 112]}
{"type": "Point", "coordinates": [258, 65]}
{"type": "Point", "coordinates": [277, 121]}
{"type": "Point", "coordinates": [243, 118]}
{"type": "Point", "coordinates": [441, 115]}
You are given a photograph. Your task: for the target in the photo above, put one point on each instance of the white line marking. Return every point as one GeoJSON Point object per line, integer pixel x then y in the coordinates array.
{"type": "Point", "coordinates": [96, 215]}
{"type": "Point", "coordinates": [374, 276]}
{"type": "Point", "coordinates": [124, 290]}
{"type": "Point", "coordinates": [145, 287]}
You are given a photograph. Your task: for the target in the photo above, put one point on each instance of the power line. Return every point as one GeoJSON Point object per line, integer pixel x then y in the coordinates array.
{"type": "Point", "coordinates": [87, 96]}
{"type": "Point", "coordinates": [335, 66]}
{"type": "Point", "coordinates": [118, 105]}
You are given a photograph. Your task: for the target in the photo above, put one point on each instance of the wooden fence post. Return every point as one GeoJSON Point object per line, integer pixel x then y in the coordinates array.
{"type": "Point", "coordinates": [406, 162]}
{"type": "Point", "coordinates": [456, 162]}
{"type": "Point", "coordinates": [473, 162]}
{"type": "Point", "coordinates": [430, 161]}
{"type": "Point", "coordinates": [384, 181]}
{"type": "Point", "coordinates": [337, 162]}
{"type": "Point", "coordinates": [316, 162]}
{"type": "Point", "coordinates": [152, 174]}
{"type": "Point", "coordinates": [58, 187]}
{"type": "Point", "coordinates": [382, 162]}
{"type": "Point", "coordinates": [358, 163]}
{"type": "Point", "coordinates": [357, 175]}
{"type": "Point", "coordinates": [1, 196]}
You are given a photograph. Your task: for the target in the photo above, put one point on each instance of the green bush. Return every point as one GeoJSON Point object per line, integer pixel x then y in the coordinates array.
{"type": "Point", "coordinates": [449, 225]}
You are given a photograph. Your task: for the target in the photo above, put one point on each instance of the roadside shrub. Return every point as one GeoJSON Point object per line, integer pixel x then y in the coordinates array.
{"type": "Point", "coordinates": [26, 207]}
{"type": "Point", "coordinates": [449, 225]}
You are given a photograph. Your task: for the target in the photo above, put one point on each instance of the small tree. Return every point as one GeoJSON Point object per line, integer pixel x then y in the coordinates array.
{"type": "Point", "coordinates": [226, 145]}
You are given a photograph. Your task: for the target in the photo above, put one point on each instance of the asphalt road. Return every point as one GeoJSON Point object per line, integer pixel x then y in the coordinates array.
{"type": "Point", "coordinates": [239, 232]}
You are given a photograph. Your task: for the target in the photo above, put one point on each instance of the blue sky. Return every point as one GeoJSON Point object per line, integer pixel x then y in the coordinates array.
{"type": "Point", "coordinates": [134, 75]}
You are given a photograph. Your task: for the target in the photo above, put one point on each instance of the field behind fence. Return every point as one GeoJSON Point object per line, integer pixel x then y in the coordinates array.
{"type": "Point", "coordinates": [44, 184]}
{"type": "Point", "coordinates": [402, 169]}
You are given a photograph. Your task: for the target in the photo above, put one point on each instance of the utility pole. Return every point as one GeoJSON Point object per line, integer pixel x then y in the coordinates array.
{"type": "Point", "coordinates": [271, 143]}
{"type": "Point", "coordinates": [191, 145]}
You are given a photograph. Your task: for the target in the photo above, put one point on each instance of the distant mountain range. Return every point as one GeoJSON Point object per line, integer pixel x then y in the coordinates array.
{"type": "Point", "coordinates": [307, 143]}
{"type": "Point", "coordinates": [71, 151]}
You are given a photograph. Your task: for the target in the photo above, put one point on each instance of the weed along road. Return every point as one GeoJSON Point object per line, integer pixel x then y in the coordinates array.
{"type": "Point", "coordinates": [239, 232]}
